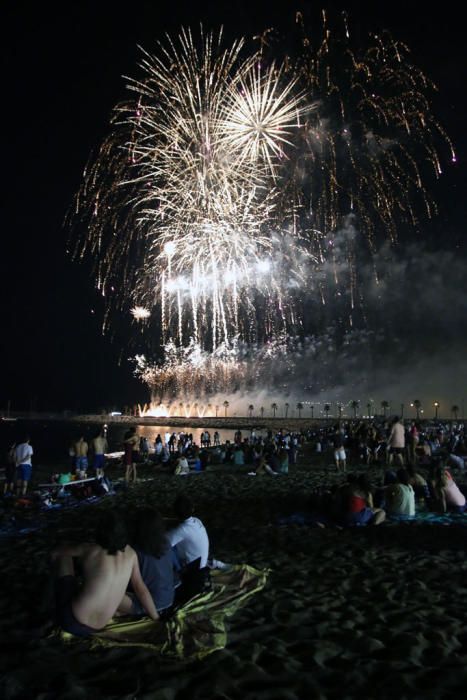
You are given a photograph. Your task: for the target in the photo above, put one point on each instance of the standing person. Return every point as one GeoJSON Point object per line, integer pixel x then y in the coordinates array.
{"type": "Point", "coordinates": [158, 449]}
{"type": "Point", "coordinates": [10, 471]}
{"type": "Point", "coordinates": [23, 454]}
{"type": "Point", "coordinates": [108, 567]}
{"type": "Point", "coordinates": [100, 447]}
{"type": "Point", "coordinates": [396, 442]}
{"type": "Point", "coordinates": [81, 457]}
{"type": "Point", "coordinates": [339, 452]}
{"type": "Point", "coordinates": [414, 439]}
{"type": "Point", "coordinates": [217, 441]}
{"type": "Point", "coordinates": [144, 448]}
{"type": "Point", "coordinates": [130, 443]}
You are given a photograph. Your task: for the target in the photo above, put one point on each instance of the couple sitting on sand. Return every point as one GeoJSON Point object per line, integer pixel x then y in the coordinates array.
{"type": "Point", "coordinates": [118, 579]}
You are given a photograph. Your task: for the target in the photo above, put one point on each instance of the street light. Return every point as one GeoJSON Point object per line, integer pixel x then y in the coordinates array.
{"type": "Point", "coordinates": [436, 405]}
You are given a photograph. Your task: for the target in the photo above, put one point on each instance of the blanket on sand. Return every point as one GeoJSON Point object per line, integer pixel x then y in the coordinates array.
{"type": "Point", "coordinates": [196, 629]}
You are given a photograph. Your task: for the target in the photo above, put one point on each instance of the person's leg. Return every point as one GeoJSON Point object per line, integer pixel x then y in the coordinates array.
{"type": "Point", "coordinates": [134, 473]}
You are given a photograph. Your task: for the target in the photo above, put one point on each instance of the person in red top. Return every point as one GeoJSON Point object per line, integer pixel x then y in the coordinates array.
{"type": "Point", "coordinates": [359, 508]}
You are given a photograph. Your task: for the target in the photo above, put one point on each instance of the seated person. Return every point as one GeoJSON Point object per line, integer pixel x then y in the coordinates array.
{"type": "Point", "coordinates": [190, 542]}
{"type": "Point", "coordinates": [262, 468]}
{"type": "Point", "coordinates": [156, 564]}
{"type": "Point", "coordinates": [238, 456]}
{"type": "Point", "coordinates": [356, 501]}
{"type": "Point", "coordinates": [283, 462]}
{"type": "Point", "coordinates": [400, 496]}
{"type": "Point", "coordinates": [182, 467]}
{"type": "Point", "coordinates": [189, 537]}
{"type": "Point", "coordinates": [418, 483]}
{"type": "Point", "coordinates": [108, 566]}
{"type": "Point", "coordinates": [446, 493]}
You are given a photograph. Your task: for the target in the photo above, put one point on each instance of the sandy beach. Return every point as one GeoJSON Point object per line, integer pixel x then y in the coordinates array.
{"type": "Point", "coordinates": [375, 612]}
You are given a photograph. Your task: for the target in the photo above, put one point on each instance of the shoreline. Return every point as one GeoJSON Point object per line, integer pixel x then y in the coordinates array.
{"type": "Point", "coordinates": [226, 422]}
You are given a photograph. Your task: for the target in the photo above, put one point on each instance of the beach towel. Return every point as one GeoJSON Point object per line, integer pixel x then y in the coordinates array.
{"type": "Point", "coordinates": [195, 630]}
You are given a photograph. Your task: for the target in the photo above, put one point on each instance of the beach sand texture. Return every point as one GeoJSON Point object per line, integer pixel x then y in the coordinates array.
{"type": "Point", "coordinates": [361, 613]}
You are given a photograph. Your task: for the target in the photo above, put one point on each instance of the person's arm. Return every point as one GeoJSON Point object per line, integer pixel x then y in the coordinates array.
{"type": "Point", "coordinates": [175, 536]}
{"type": "Point", "coordinates": [141, 591]}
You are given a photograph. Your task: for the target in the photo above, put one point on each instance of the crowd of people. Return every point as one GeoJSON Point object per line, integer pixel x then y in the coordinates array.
{"type": "Point", "coordinates": [135, 567]}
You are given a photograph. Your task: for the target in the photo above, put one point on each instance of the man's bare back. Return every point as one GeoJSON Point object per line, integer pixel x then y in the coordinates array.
{"type": "Point", "coordinates": [99, 445]}
{"type": "Point", "coordinates": [106, 577]}
{"type": "Point", "coordinates": [81, 448]}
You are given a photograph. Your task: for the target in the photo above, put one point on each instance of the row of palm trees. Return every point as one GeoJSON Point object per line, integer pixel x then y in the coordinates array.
{"type": "Point", "coordinates": [385, 406]}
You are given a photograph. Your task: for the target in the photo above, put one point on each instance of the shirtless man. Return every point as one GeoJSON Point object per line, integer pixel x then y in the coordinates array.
{"type": "Point", "coordinates": [100, 446]}
{"type": "Point", "coordinates": [108, 567]}
{"type": "Point", "coordinates": [81, 457]}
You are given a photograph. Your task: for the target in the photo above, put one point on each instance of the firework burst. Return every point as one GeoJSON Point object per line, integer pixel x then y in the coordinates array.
{"type": "Point", "coordinates": [231, 187]}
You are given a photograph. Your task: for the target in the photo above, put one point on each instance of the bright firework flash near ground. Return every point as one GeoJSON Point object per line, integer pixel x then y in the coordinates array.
{"type": "Point", "coordinates": [238, 192]}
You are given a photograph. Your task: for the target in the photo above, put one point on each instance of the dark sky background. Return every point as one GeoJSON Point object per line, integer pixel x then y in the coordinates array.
{"type": "Point", "coordinates": [62, 74]}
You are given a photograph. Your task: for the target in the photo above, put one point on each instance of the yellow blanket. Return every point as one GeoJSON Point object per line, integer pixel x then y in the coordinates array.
{"type": "Point", "coordinates": [196, 629]}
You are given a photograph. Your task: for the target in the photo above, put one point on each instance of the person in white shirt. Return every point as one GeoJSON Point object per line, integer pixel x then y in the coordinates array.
{"type": "Point", "coordinates": [190, 543]}
{"type": "Point", "coordinates": [23, 454]}
{"type": "Point", "coordinates": [189, 537]}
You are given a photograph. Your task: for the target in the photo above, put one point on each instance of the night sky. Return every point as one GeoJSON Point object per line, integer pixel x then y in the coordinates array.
{"type": "Point", "coordinates": [62, 74]}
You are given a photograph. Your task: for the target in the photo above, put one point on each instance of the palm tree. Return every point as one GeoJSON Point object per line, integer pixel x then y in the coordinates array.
{"type": "Point", "coordinates": [369, 408]}
{"type": "Point", "coordinates": [196, 409]}
{"type": "Point", "coordinates": [226, 405]}
{"type": "Point", "coordinates": [180, 406]}
{"type": "Point", "coordinates": [384, 406]}
{"type": "Point", "coordinates": [340, 408]}
{"type": "Point", "coordinates": [262, 411]}
{"type": "Point", "coordinates": [217, 410]}
{"type": "Point", "coordinates": [250, 410]}
{"type": "Point", "coordinates": [300, 409]}
{"type": "Point", "coordinates": [274, 409]}
{"type": "Point", "coordinates": [354, 405]}
{"type": "Point", "coordinates": [286, 409]}
{"type": "Point", "coordinates": [312, 409]}
{"type": "Point", "coordinates": [455, 411]}
{"type": "Point", "coordinates": [327, 408]}
{"type": "Point", "coordinates": [417, 404]}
